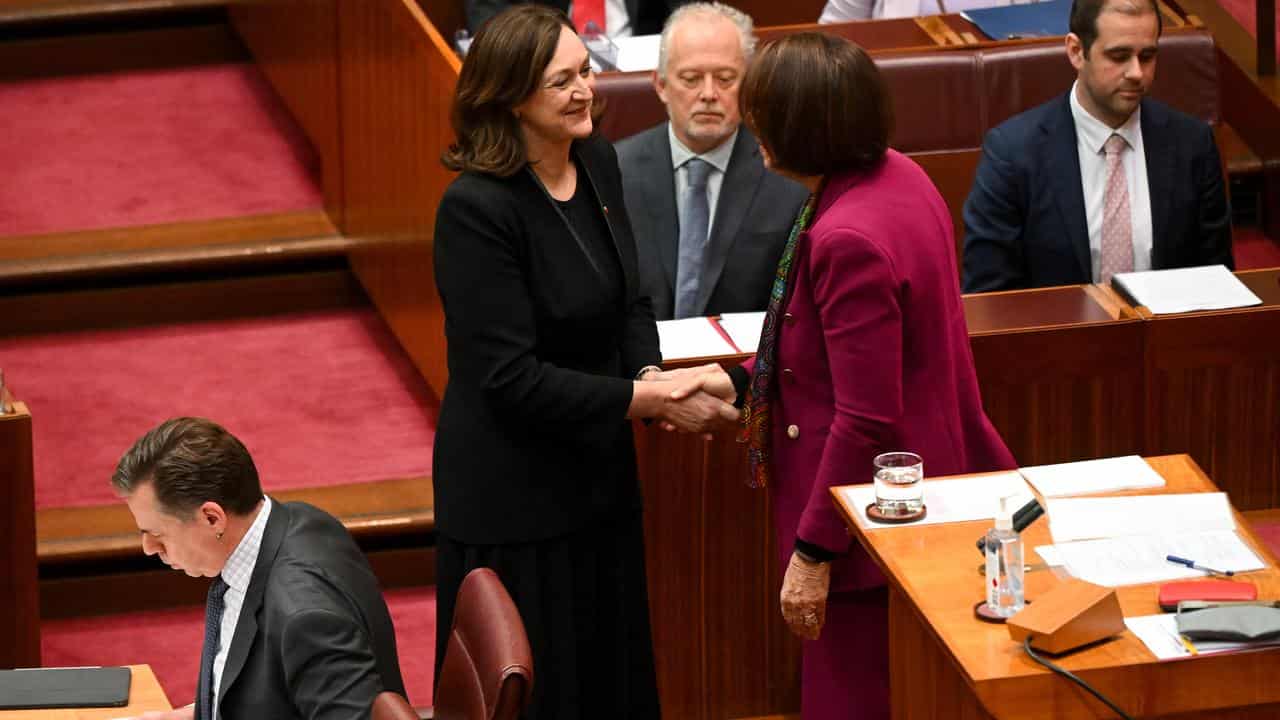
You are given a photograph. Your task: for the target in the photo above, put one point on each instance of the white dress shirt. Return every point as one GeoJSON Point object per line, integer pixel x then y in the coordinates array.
{"type": "Point", "coordinates": [1091, 136]}
{"type": "Point", "coordinates": [717, 157]}
{"type": "Point", "coordinates": [236, 574]}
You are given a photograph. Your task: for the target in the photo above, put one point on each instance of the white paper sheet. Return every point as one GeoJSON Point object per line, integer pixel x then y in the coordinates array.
{"type": "Point", "coordinates": [691, 338]}
{"type": "Point", "coordinates": [1139, 559]}
{"type": "Point", "coordinates": [1085, 518]}
{"type": "Point", "coordinates": [744, 328]}
{"type": "Point", "coordinates": [1160, 634]}
{"type": "Point", "coordinates": [1210, 287]}
{"type": "Point", "coordinates": [639, 52]}
{"type": "Point", "coordinates": [1092, 476]}
{"type": "Point", "coordinates": [957, 500]}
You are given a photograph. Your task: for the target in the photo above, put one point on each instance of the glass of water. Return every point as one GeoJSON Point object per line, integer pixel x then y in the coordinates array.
{"type": "Point", "coordinates": [898, 487]}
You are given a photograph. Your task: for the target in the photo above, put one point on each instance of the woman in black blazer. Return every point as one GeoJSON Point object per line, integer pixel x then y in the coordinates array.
{"type": "Point", "coordinates": [549, 337]}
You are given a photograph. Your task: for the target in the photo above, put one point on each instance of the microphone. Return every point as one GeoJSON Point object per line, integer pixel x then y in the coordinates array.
{"type": "Point", "coordinates": [1025, 515]}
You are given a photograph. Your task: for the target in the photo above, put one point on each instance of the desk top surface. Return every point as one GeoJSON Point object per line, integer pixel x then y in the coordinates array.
{"type": "Point", "coordinates": [145, 694]}
{"type": "Point", "coordinates": [935, 566]}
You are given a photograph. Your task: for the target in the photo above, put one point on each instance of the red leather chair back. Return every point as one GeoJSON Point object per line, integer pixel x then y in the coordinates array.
{"type": "Point", "coordinates": [488, 668]}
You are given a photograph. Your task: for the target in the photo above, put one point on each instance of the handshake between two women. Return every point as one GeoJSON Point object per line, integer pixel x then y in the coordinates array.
{"type": "Point", "coordinates": [696, 400]}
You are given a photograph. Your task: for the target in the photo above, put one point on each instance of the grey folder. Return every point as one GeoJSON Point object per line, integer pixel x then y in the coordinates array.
{"type": "Point", "coordinates": [39, 688]}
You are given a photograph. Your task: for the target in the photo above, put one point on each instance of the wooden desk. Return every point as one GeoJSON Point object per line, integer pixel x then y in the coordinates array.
{"type": "Point", "coordinates": [145, 694]}
{"type": "Point", "coordinates": [19, 594]}
{"type": "Point", "coordinates": [1213, 389]}
{"type": "Point", "coordinates": [946, 664]}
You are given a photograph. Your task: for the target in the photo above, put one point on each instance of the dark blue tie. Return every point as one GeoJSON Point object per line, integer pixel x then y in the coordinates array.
{"type": "Point", "coordinates": [212, 632]}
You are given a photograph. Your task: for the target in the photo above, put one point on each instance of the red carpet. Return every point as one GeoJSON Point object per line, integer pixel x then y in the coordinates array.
{"type": "Point", "coordinates": [1245, 12]}
{"type": "Point", "coordinates": [169, 641]}
{"type": "Point", "coordinates": [1253, 249]}
{"type": "Point", "coordinates": [319, 399]}
{"type": "Point", "coordinates": [138, 148]}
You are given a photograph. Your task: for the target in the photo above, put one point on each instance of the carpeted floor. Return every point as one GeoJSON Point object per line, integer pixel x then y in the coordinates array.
{"type": "Point", "coordinates": [169, 641]}
{"type": "Point", "coordinates": [318, 398]}
{"type": "Point", "coordinates": [138, 148]}
{"type": "Point", "coordinates": [1253, 249]}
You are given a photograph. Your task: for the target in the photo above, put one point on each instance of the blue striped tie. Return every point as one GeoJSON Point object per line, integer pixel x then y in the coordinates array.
{"type": "Point", "coordinates": [212, 632]}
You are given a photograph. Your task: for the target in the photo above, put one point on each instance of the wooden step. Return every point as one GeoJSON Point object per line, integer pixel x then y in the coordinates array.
{"type": "Point", "coordinates": [369, 510]}
{"type": "Point", "coordinates": [25, 11]}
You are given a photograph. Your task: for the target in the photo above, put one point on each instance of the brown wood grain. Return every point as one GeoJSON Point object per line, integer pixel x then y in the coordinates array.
{"type": "Point", "coordinates": [946, 664]}
{"type": "Point", "coordinates": [145, 695]}
{"type": "Point", "coordinates": [1214, 392]}
{"type": "Point", "coordinates": [19, 594]}
{"type": "Point", "coordinates": [295, 43]}
{"type": "Point", "coordinates": [446, 16]}
{"type": "Point", "coordinates": [13, 11]}
{"type": "Point", "coordinates": [88, 307]}
{"type": "Point", "coordinates": [397, 79]}
{"type": "Point", "coordinates": [76, 54]}
{"type": "Point", "coordinates": [766, 13]}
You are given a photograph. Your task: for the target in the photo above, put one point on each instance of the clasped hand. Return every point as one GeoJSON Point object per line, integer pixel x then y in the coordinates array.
{"type": "Point", "coordinates": [700, 399]}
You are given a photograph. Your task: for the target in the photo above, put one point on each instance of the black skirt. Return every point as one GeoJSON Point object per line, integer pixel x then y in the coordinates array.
{"type": "Point", "coordinates": [585, 607]}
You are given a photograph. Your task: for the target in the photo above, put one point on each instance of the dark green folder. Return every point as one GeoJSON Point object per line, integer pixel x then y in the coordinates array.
{"type": "Point", "coordinates": [41, 688]}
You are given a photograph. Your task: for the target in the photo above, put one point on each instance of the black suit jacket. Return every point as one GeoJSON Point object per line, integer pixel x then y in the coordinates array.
{"type": "Point", "coordinates": [532, 440]}
{"type": "Point", "coordinates": [314, 639]}
{"type": "Point", "coordinates": [1025, 223]}
{"type": "Point", "coordinates": [647, 16]}
{"type": "Point", "coordinates": [753, 218]}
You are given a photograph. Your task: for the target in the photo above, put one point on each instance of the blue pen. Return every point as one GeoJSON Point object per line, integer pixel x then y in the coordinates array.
{"type": "Point", "coordinates": [1192, 564]}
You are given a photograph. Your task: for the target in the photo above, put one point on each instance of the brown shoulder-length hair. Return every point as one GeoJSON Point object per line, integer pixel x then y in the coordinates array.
{"type": "Point", "coordinates": [818, 105]}
{"type": "Point", "coordinates": [502, 69]}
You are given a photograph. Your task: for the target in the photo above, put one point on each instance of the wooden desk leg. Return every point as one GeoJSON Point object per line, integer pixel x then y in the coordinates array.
{"type": "Point", "coordinates": [924, 682]}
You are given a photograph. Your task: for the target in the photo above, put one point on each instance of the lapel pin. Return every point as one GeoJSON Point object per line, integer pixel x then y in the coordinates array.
{"type": "Point", "coordinates": [605, 208]}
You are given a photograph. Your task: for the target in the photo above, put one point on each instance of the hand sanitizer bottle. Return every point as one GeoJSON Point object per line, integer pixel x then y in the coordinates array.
{"type": "Point", "coordinates": [1004, 564]}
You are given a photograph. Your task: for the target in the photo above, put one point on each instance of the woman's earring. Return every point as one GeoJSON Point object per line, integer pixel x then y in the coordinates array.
{"type": "Point", "coordinates": [219, 535]}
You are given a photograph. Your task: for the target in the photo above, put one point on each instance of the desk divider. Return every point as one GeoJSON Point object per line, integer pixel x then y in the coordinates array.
{"type": "Point", "coordinates": [19, 590]}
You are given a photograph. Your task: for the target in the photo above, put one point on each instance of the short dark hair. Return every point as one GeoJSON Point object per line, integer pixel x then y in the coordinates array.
{"type": "Point", "coordinates": [1084, 17]}
{"type": "Point", "coordinates": [190, 461]}
{"type": "Point", "coordinates": [503, 67]}
{"type": "Point", "coordinates": [818, 105]}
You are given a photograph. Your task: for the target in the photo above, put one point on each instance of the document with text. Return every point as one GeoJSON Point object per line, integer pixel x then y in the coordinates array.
{"type": "Point", "coordinates": [1139, 559]}
{"type": "Point", "coordinates": [692, 338]}
{"type": "Point", "coordinates": [1102, 517]}
{"type": "Point", "coordinates": [1210, 287]}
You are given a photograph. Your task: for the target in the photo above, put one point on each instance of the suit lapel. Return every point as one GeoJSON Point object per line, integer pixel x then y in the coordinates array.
{"type": "Point", "coordinates": [592, 172]}
{"type": "Point", "coordinates": [741, 179]}
{"type": "Point", "coordinates": [659, 198]}
{"type": "Point", "coordinates": [1160, 156]}
{"type": "Point", "coordinates": [247, 624]}
{"type": "Point", "coordinates": [1063, 164]}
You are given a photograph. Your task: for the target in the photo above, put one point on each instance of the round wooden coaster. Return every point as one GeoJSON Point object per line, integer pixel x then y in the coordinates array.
{"type": "Point", "coordinates": [874, 513]}
{"type": "Point", "coordinates": [983, 612]}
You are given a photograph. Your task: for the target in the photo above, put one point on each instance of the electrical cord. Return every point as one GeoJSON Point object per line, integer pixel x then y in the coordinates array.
{"type": "Point", "coordinates": [1026, 645]}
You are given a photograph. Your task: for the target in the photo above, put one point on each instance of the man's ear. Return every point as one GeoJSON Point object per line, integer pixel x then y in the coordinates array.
{"type": "Point", "coordinates": [213, 516]}
{"type": "Point", "coordinates": [1075, 50]}
{"type": "Point", "coordinates": [660, 86]}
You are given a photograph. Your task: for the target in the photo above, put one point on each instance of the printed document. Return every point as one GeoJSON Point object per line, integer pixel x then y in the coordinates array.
{"type": "Point", "coordinates": [1210, 287]}
{"type": "Point", "coordinates": [1092, 476]}
{"type": "Point", "coordinates": [1139, 559]}
{"type": "Point", "coordinates": [744, 329]}
{"type": "Point", "coordinates": [691, 338]}
{"type": "Point", "coordinates": [1086, 518]}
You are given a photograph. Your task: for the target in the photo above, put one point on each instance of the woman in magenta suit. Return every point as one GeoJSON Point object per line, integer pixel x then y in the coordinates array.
{"type": "Point", "coordinates": [864, 351]}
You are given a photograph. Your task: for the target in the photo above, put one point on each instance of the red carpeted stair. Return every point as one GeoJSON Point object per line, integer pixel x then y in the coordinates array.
{"type": "Point", "coordinates": [1253, 249]}
{"type": "Point", "coordinates": [169, 641]}
{"type": "Point", "coordinates": [146, 147]}
{"type": "Point", "coordinates": [318, 398]}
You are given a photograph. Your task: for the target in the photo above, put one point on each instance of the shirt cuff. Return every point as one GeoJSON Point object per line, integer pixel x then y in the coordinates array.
{"type": "Point", "coordinates": [817, 552]}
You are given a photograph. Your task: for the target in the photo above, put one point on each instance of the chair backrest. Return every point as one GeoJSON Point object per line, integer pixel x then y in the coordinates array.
{"type": "Point", "coordinates": [487, 672]}
{"type": "Point", "coordinates": [392, 706]}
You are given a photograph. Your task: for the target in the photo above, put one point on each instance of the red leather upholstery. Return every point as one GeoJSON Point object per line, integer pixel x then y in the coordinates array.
{"type": "Point", "coordinates": [488, 668]}
{"type": "Point", "coordinates": [946, 99]}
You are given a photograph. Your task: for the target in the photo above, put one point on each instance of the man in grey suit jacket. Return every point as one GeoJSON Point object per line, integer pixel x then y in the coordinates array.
{"type": "Point", "coordinates": [295, 623]}
{"type": "Point", "coordinates": [710, 221]}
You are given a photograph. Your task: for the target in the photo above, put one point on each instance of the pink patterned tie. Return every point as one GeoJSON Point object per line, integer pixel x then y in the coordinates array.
{"type": "Point", "coordinates": [1117, 226]}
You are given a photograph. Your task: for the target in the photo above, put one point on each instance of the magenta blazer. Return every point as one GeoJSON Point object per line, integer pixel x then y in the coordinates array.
{"type": "Point", "coordinates": [873, 356]}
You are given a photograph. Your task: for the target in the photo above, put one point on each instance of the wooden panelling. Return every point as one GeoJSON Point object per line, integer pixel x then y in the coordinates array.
{"type": "Point", "coordinates": [295, 42]}
{"type": "Point", "coordinates": [242, 230]}
{"type": "Point", "coordinates": [19, 601]}
{"type": "Point", "coordinates": [119, 51]}
{"type": "Point", "coordinates": [59, 310]}
{"type": "Point", "coordinates": [397, 79]}
{"type": "Point", "coordinates": [14, 11]}
{"type": "Point", "coordinates": [1214, 392]}
{"type": "Point", "coordinates": [447, 16]}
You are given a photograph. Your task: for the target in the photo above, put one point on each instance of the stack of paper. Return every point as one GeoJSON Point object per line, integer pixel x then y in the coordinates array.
{"type": "Point", "coordinates": [744, 329]}
{"type": "Point", "coordinates": [1092, 476]}
{"type": "Point", "coordinates": [1160, 634]}
{"type": "Point", "coordinates": [1211, 287]}
{"type": "Point", "coordinates": [692, 338]}
{"type": "Point", "coordinates": [958, 500]}
{"type": "Point", "coordinates": [1127, 540]}
{"type": "Point", "coordinates": [639, 52]}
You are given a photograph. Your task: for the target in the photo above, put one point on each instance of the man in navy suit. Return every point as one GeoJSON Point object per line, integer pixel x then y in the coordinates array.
{"type": "Point", "coordinates": [1101, 179]}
